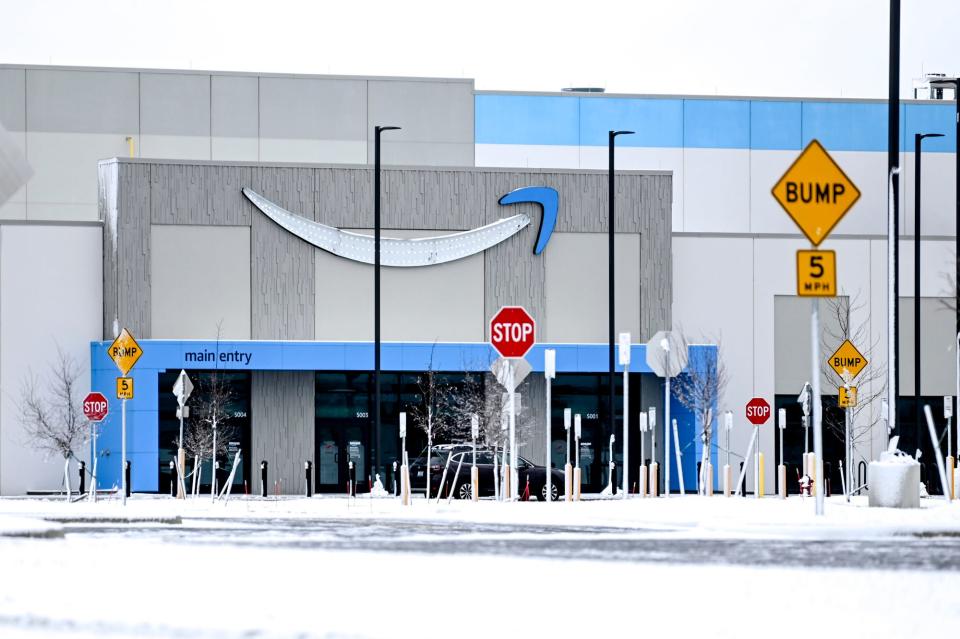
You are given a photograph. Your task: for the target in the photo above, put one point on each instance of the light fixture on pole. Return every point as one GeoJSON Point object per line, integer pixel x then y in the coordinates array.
{"type": "Point", "coordinates": [377, 130]}
{"type": "Point", "coordinates": [917, 148]}
{"type": "Point", "coordinates": [611, 227]}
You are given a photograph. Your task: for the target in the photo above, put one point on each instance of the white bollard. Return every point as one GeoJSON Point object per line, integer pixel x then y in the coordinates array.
{"type": "Point", "coordinates": [708, 476]}
{"type": "Point", "coordinates": [576, 487]}
{"type": "Point", "coordinates": [654, 479]}
{"type": "Point", "coordinates": [475, 483]}
{"type": "Point", "coordinates": [568, 482]}
{"type": "Point", "coordinates": [782, 478]}
{"type": "Point", "coordinates": [726, 480]}
{"type": "Point", "coordinates": [642, 485]}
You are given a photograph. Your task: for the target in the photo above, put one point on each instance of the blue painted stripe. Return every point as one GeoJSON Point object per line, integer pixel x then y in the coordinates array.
{"type": "Point", "coordinates": [705, 123]}
{"type": "Point", "coordinates": [656, 123]}
{"type": "Point", "coordinates": [716, 124]}
{"type": "Point", "coordinates": [526, 119]}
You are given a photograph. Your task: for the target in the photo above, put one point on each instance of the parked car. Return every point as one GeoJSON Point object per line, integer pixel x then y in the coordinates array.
{"type": "Point", "coordinates": [461, 485]}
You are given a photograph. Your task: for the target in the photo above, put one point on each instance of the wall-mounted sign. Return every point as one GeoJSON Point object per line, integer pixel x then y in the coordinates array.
{"type": "Point", "coordinates": [423, 251]}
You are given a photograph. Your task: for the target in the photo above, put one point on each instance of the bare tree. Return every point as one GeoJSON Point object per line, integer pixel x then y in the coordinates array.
{"type": "Point", "coordinates": [432, 414]}
{"type": "Point", "coordinates": [873, 379]}
{"type": "Point", "coordinates": [51, 412]}
{"type": "Point", "coordinates": [210, 413]}
{"type": "Point", "coordinates": [699, 390]}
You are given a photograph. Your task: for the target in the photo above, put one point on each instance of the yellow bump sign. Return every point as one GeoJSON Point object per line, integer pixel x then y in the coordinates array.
{"type": "Point", "coordinates": [815, 192]}
{"type": "Point", "coordinates": [124, 351]}
{"type": "Point", "coordinates": [848, 397]}
{"type": "Point", "coordinates": [124, 388]}
{"type": "Point", "coordinates": [847, 361]}
{"type": "Point", "coordinates": [816, 273]}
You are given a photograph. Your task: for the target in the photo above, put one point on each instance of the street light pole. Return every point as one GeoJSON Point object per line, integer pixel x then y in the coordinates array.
{"type": "Point", "coordinates": [893, 169]}
{"type": "Point", "coordinates": [917, 147]}
{"type": "Point", "coordinates": [941, 82]}
{"type": "Point", "coordinates": [377, 130]}
{"type": "Point", "coordinates": [611, 295]}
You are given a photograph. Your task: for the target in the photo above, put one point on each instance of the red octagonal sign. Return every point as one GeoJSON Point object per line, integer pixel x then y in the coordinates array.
{"type": "Point", "coordinates": [512, 331]}
{"type": "Point", "coordinates": [758, 411]}
{"type": "Point", "coordinates": [95, 407]}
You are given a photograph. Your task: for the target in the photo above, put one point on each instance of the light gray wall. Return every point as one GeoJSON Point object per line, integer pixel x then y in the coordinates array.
{"type": "Point", "coordinates": [200, 282]}
{"type": "Point", "coordinates": [576, 278]}
{"type": "Point", "coordinates": [440, 303]}
{"type": "Point", "coordinates": [67, 119]}
{"type": "Point", "coordinates": [937, 358]}
{"type": "Point", "coordinates": [282, 432]}
{"type": "Point", "coordinates": [792, 354]}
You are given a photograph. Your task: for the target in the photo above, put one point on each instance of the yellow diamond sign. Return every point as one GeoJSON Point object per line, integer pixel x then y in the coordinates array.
{"type": "Point", "coordinates": [848, 362]}
{"type": "Point", "coordinates": [815, 192]}
{"type": "Point", "coordinates": [124, 352]}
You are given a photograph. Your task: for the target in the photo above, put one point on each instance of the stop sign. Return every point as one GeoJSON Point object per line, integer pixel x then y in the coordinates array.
{"type": "Point", "coordinates": [95, 407]}
{"type": "Point", "coordinates": [512, 331]}
{"type": "Point", "coordinates": [758, 411]}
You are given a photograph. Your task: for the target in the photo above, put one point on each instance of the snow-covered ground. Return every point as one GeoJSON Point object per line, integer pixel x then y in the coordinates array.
{"type": "Point", "coordinates": [704, 515]}
{"type": "Point", "coordinates": [206, 577]}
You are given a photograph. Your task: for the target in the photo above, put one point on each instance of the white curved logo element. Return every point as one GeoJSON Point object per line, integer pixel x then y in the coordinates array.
{"type": "Point", "coordinates": [422, 251]}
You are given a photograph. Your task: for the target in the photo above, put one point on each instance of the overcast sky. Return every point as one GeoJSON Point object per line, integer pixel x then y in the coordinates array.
{"type": "Point", "coordinates": [817, 48]}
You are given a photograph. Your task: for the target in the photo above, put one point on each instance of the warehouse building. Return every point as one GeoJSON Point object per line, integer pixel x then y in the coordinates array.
{"type": "Point", "coordinates": [722, 271]}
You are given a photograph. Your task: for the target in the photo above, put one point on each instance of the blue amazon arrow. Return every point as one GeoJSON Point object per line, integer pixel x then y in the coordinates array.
{"type": "Point", "coordinates": [549, 201]}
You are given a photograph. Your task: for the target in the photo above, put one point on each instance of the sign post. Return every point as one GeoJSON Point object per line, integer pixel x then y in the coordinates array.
{"type": "Point", "coordinates": [758, 412]}
{"type": "Point", "coordinates": [948, 415]}
{"type": "Point", "coordinates": [567, 469]}
{"type": "Point", "coordinates": [549, 373]}
{"type": "Point", "coordinates": [642, 478]}
{"type": "Point", "coordinates": [124, 351]}
{"type": "Point", "coordinates": [474, 472]}
{"type": "Point", "coordinates": [576, 471]}
{"type": "Point", "coordinates": [654, 482]}
{"type": "Point", "coordinates": [667, 356]}
{"type": "Point", "coordinates": [512, 334]}
{"type": "Point", "coordinates": [624, 349]}
{"type": "Point", "coordinates": [404, 470]}
{"type": "Point", "coordinates": [847, 362]}
{"type": "Point", "coordinates": [182, 389]}
{"type": "Point", "coordinates": [95, 409]}
{"type": "Point", "coordinates": [816, 194]}
{"type": "Point", "coordinates": [727, 427]}
{"type": "Point", "coordinates": [782, 466]}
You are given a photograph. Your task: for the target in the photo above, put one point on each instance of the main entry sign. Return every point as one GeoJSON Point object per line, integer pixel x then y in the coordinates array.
{"type": "Point", "coordinates": [512, 331]}
{"type": "Point", "coordinates": [815, 192]}
{"type": "Point", "coordinates": [758, 411]}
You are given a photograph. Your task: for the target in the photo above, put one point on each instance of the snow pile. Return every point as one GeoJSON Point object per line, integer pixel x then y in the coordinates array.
{"type": "Point", "coordinates": [894, 481]}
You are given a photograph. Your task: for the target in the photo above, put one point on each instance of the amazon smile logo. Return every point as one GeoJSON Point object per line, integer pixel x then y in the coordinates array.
{"type": "Point", "coordinates": [423, 251]}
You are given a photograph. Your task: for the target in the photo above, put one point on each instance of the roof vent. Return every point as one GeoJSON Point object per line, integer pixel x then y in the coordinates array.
{"type": "Point", "coordinates": [583, 90]}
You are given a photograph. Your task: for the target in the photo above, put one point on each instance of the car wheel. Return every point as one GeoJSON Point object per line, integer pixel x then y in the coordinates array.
{"type": "Point", "coordinates": [464, 491]}
{"type": "Point", "coordinates": [554, 492]}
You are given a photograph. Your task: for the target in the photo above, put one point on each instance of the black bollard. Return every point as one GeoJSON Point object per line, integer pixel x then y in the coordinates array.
{"type": "Point", "coordinates": [613, 478]}
{"type": "Point", "coordinates": [308, 471]}
{"type": "Point", "coordinates": [743, 490]}
{"type": "Point", "coordinates": [173, 479]}
{"type": "Point", "coordinates": [83, 477]}
{"type": "Point", "coordinates": [263, 478]}
{"type": "Point", "coordinates": [127, 471]}
{"type": "Point", "coordinates": [393, 478]}
{"type": "Point", "coordinates": [352, 478]}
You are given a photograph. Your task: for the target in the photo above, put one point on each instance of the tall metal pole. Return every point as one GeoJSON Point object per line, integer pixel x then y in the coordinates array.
{"type": "Point", "coordinates": [123, 450]}
{"type": "Point", "coordinates": [893, 169]}
{"type": "Point", "coordinates": [817, 412]}
{"type": "Point", "coordinates": [611, 226]}
{"type": "Point", "coordinates": [917, 139]}
{"type": "Point", "coordinates": [377, 130]}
